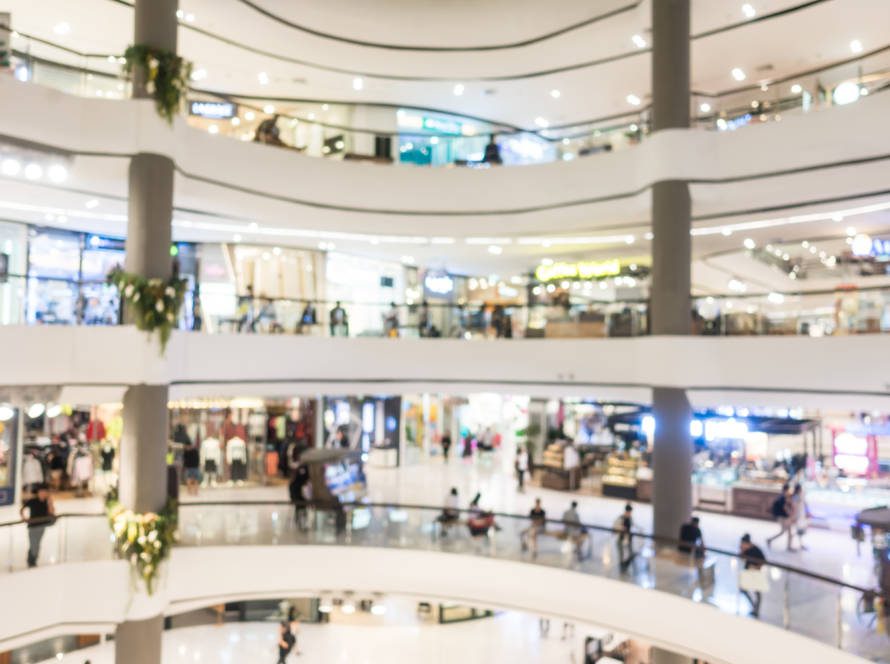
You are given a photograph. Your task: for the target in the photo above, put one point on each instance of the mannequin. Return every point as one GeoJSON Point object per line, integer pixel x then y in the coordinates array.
{"type": "Point", "coordinates": [80, 469]}
{"type": "Point", "coordinates": [211, 460]}
{"type": "Point", "coordinates": [106, 465]}
{"type": "Point", "coordinates": [236, 456]}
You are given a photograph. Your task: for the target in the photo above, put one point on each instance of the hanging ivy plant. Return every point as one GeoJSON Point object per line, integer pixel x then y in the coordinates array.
{"type": "Point", "coordinates": [145, 540]}
{"type": "Point", "coordinates": [155, 303]}
{"type": "Point", "coordinates": [166, 76]}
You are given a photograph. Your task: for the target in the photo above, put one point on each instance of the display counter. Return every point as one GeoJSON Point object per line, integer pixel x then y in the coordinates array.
{"type": "Point", "coordinates": [755, 499]}
{"type": "Point", "coordinates": [620, 478]}
{"type": "Point", "coordinates": [560, 478]}
{"type": "Point", "coordinates": [568, 329]}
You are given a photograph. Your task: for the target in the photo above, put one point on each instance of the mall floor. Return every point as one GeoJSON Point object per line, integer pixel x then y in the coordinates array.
{"type": "Point", "coordinates": [506, 638]}
{"type": "Point", "coordinates": [426, 482]}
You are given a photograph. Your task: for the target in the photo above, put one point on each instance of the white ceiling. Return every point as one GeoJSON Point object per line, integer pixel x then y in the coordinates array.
{"type": "Point", "coordinates": [800, 40]}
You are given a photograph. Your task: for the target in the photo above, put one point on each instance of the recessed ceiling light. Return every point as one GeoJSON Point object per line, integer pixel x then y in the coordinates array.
{"type": "Point", "coordinates": [458, 89]}
{"type": "Point", "coordinates": [704, 107]}
{"type": "Point", "coordinates": [837, 217]}
{"type": "Point", "coordinates": [213, 129]}
{"type": "Point", "coordinates": [10, 167]}
{"type": "Point", "coordinates": [542, 122]}
{"type": "Point", "coordinates": [649, 236]}
{"type": "Point", "coordinates": [638, 41]}
{"type": "Point", "coordinates": [358, 83]}
{"type": "Point", "coordinates": [268, 109]}
{"type": "Point", "coordinates": [630, 239]}
{"type": "Point", "coordinates": [856, 46]}
{"type": "Point", "coordinates": [325, 107]}
{"type": "Point", "coordinates": [749, 243]}
{"type": "Point", "coordinates": [748, 10]}
{"type": "Point", "coordinates": [33, 171]}
{"type": "Point", "coordinates": [408, 260]}
{"type": "Point", "coordinates": [236, 121]}
{"type": "Point", "coordinates": [738, 74]}
{"type": "Point", "coordinates": [556, 94]}
{"type": "Point", "coordinates": [851, 231]}
{"type": "Point", "coordinates": [189, 18]}
{"type": "Point", "coordinates": [311, 116]}
{"type": "Point", "coordinates": [91, 204]}
{"type": "Point", "coordinates": [726, 232]}
{"type": "Point", "coordinates": [199, 74]}
{"type": "Point", "coordinates": [796, 89]}
{"type": "Point", "coordinates": [236, 238]}
{"type": "Point", "coordinates": [62, 28]}
{"type": "Point", "coordinates": [250, 116]}
{"type": "Point", "coordinates": [495, 250]}
{"type": "Point", "coordinates": [263, 78]}
{"type": "Point", "coordinates": [633, 100]}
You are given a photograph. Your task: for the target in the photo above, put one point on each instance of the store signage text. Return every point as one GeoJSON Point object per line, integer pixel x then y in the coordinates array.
{"type": "Point", "coordinates": [581, 270]}
{"type": "Point", "coordinates": [214, 110]}
{"type": "Point", "coordinates": [439, 283]}
{"type": "Point", "coordinates": [442, 126]}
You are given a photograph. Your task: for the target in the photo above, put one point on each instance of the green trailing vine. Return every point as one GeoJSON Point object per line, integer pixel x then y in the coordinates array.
{"type": "Point", "coordinates": [155, 303]}
{"type": "Point", "coordinates": [166, 76]}
{"type": "Point", "coordinates": [145, 540]}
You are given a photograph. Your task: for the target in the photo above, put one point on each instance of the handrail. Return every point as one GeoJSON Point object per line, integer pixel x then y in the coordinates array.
{"type": "Point", "coordinates": [511, 129]}
{"type": "Point", "coordinates": [666, 541]}
{"type": "Point", "coordinates": [328, 505]}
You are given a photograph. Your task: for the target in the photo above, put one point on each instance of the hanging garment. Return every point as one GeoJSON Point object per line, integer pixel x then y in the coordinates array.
{"type": "Point", "coordinates": [82, 468]}
{"type": "Point", "coordinates": [95, 431]}
{"type": "Point", "coordinates": [32, 470]}
{"type": "Point", "coordinates": [107, 456]}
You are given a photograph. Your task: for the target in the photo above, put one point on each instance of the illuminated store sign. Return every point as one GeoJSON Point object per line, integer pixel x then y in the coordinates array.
{"type": "Point", "coordinates": [214, 110]}
{"type": "Point", "coordinates": [582, 270]}
{"type": "Point", "coordinates": [438, 283]}
{"type": "Point", "coordinates": [864, 245]}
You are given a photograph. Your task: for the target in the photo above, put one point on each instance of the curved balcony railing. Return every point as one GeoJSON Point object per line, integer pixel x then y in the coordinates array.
{"type": "Point", "coordinates": [816, 606]}
{"type": "Point", "coordinates": [34, 300]}
{"type": "Point", "coordinates": [311, 126]}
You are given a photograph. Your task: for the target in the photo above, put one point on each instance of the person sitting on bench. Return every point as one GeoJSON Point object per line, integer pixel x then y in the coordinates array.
{"type": "Point", "coordinates": [538, 525]}
{"type": "Point", "coordinates": [450, 512]}
{"type": "Point", "coordinates": [573, 529]}
{"type": "Point", "coordinates": [691, 539]}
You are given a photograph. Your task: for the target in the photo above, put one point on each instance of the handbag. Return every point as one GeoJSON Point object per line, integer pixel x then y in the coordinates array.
{"type": "Point", "coordinates": [754, 580]}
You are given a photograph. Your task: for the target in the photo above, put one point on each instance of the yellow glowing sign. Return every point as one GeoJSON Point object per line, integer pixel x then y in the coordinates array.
{"type": "Point", "coordinates": [581, 270]}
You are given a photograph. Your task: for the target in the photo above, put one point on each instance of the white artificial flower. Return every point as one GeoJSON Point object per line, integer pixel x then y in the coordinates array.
{"type": "Point", "coordinates": [169, 292]}
{"type": "Point", "coordinates": [159, 306]}
{"type": "Point", "coordinates": [128, 291]}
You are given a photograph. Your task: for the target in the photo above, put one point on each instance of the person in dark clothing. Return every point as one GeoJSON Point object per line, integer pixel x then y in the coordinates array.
{"type": "Point", "coordinates": [286, 641]}
{"type": "Point", "coordinates": [624, 529]}
{"type": "Point", "coordinates": [492, 153]}
{"type": "Point", "coordinates": [529, 536]}
{"type": "Point", "coordinates": [446, 445]}
{"type": "Point", "coordinates": [691, 539]}
{"type": "Point", "coordinates": [754, 559]}
{"type": "Point", "coordinates": [297, 488]}
{"type": "Point", "coordinates": [338, 321]}
{"type": "Point", "coordinates": [40, 513]}
{"type": "Point", "coordinates": [191, 463]}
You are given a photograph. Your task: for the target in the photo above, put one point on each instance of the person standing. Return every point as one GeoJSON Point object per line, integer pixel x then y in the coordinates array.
{"type": "Point", "coordinates": [297, 490]}
{"type": "Point", "coordinates": [446, 445]}
{"type": "Point", "coordinates": [754, 560]}
{"type": "Point", "coordinates": [339, 321]}
{"type": "Point", "coordinates": [624, 529]}
{"type": "Point", "coordinates": [521, 467]}
{"type": "Point", "coordinates": [573, 529]}
{"type": "Point", "coordinates": [191, 463]}
{"type": "Point", "coordinates": [691, 539]}
{"type": "Point", "coordinates": [40, 513]}
{"type": "Point", "coordinates": [783, 512]}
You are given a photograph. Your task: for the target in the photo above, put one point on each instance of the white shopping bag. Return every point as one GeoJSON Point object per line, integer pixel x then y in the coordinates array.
{"type": "Point", "coordinates": [753, 580]}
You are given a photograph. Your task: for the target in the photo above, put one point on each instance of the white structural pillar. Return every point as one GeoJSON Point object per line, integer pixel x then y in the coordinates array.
{"type": "Point", "coordinates": [670, 309]}
{"type": "Point", "coordinates": [143, 476]}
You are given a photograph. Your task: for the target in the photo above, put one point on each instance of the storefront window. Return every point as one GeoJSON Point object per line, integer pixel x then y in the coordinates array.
{"type": "Point", "coordinates": [100, 302]}
{"type": "Point", "coordinates": [8, 444]}
{"type": "Point", "coordinates": [53, 273]}
{"type": "Point", "coordinates": [13, 266]}
{"type": "Point", "coordinates": [365, 288]}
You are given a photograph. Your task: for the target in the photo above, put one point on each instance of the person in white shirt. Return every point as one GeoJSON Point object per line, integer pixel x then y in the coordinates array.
{"type": "Point", "coordinates": [521, 467]}
{"type": "Point", "coordinates": [450, 512]}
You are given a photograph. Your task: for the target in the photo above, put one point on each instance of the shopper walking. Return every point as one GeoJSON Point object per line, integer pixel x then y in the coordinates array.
{"type": "Point", "coordinates": [754, 560]}
{"type": "Point", "coordinates": [783, 511]}
{"type": "Point", "coordinates": [521, 467]}
{"type": "Point", "coordinates": [286, 641]}
{"type": "Point", "coordinates": [799, 516]}
{"type": "Point", "coordinates": [41, 513]}
{"type": "Point", "coordinates": [624, 529]}
{"type": "Point", "coordinates": [297, 489]}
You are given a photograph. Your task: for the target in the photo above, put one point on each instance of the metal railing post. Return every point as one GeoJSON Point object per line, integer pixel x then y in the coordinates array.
{"type": "Point", "coordinates": [786, 609]}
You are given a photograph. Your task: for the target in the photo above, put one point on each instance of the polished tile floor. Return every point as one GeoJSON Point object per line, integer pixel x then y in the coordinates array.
{"type": "Point", "coordinates": [507, 638]}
